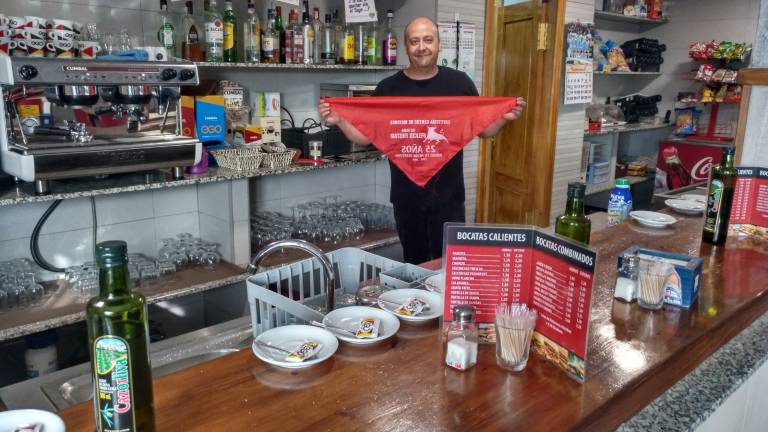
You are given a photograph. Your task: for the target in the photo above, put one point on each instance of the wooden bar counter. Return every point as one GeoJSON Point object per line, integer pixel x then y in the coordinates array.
{"type": "Point", "coordinates": [634, 355]}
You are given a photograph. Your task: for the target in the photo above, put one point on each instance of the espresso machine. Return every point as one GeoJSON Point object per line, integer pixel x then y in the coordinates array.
{"type": "Point", "coordinates": [123, 89]}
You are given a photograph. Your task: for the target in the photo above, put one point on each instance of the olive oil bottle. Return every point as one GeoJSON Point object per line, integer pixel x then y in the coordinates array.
{"type": "Point", "coordinates": [573, 223]}
{"type": "Point", "coordinates": [118, 338]}
{"type": "Point", "coordinates": [722, 182]}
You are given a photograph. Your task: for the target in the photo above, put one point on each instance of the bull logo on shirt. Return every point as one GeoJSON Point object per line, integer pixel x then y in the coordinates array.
{"type": "Point", "coordinates": [434, 137]}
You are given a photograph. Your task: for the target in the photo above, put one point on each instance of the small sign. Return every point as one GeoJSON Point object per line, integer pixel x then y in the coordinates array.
{"type": "Point", "coordinates": [360, 11]}
{"type": "Point", "coordinates": [462, 58]}
{"type": "Point", "coordinates": [488, 265]}
{"type": "Point", "coordinates": [749, 210]}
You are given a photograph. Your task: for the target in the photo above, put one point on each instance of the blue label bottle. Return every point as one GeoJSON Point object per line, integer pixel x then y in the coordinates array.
{"type": "Point", "coordinates": [620, 203]}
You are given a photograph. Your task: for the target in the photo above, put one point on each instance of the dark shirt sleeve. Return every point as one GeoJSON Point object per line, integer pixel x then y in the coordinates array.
{"type": "Point", "coordinates": [471, 89]}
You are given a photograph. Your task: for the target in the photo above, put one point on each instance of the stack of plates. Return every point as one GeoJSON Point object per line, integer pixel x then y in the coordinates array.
{"type": "Point", "coordinates": [686, 206]}
{"type": "Point", "coordinates": [652, 219]}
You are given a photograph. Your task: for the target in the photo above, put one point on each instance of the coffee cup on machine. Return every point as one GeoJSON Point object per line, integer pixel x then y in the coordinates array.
{"type": "Point", "coordinates": [33, 33]}
{"type": "Point", "coordinates": [3, 20]}
{"type": "Point", "coordinates": [15, 22]}
{"type": "Point", "coordinates": [7, 45]}
{"type": "Point", "coordinates": [61, 35]}
{"type": "Point", "coordinates": [60, 48]}
{"type": "Point", "coordinates": [62, 24]}
{"type": "Point", "coordinates": [34, 22]}
{"type": "Point", "coordinates": [88, 49]}
{"type": "Point", "coordinates": [35, 47]}
{"type": "Point", "coordinates": [19, 48]}
{"type": "Point", "coordinates": [6, 32]}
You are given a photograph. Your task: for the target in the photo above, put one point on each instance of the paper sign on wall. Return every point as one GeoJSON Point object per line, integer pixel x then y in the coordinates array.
{"type": "Point", "coordinates": [578, 64]}
{"type": "Point", "coordinates": [359, 11]}
{"type": "Point", "coordinates": [462, 58]}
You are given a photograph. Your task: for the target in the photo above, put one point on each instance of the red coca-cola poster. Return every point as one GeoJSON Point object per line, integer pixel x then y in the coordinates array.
{"type": "Point", "coordinates": [696, 159]}
{"type": "Point", "coordinates": [421, 134]}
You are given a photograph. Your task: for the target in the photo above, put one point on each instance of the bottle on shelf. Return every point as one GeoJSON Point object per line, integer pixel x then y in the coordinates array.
{"type": "Point", "coordinates": [328, 48]}
{"type": "Point", "coordinates": [166, 30]}
{"type": "Point", "coordinates": [573, 224]}
{"type": "Point", "coordinates": [252, 35]}
{"type": "Point", "coordinates": [270, 42]}
{"type": "Point", "coordinates": [318, 28]}
{"type": "Point", "coordinates": [307, 36]}
{"type": "Point", "coordinates": [230, 33]}
{"type": "Point", "coordinates": [191, 48]}
{"type": "Point", "coordinates": [118, 338]}
{"type": "Point", "coordinates": [389, 42]}
{"type": "Point", "coordinates": [372, 41]}
{"type": "Point", "coordinates": [294, 40]}
{"type": "Point", "coordinates": [722, 182]}
{"type": "Point", "coordinates": [280, 31]}
{"type": "Point", "coordinates": [361, 47]}
{"type": "Point", "coordinates": [620, 202]}
{"type": "Point", "coordinates": [214, 34]}
{"type": "Point", "coordinates": [338, 37]}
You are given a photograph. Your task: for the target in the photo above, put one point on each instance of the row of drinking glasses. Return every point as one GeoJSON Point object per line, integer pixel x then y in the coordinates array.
{"type": "Point", "coordinates": [187, 250]}
{"type": "Point", "coordinates": [84, 278]}
{"type": "Point", "coordinates": [18, 284]}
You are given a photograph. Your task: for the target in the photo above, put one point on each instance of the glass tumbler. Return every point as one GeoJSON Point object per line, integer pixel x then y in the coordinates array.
{"type": "Point", "coordinates": [651, 279]}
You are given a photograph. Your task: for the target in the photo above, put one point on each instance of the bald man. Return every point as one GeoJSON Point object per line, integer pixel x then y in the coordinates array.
{"type": "Point", "coordinates": [421, 212]}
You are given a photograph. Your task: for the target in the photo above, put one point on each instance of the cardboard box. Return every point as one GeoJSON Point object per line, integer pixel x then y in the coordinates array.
{"type": "Point", "coordinates": [210, 118]}
{"type": "Point", "coordinates": [187, 116]}
{"type": "Point", "coordinates": [270, 129]}
{"type": "Point", "coordinates": [265, 104]}
{"type": "Point", "coordinates": [252, 134]}
{"type": "Point", "coordinates": [682, 287]}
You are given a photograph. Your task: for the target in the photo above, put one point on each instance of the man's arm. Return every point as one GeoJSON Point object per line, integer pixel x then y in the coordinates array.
{"type": "Point", "coordinates": [513, 114]}
{"type": "Point", "coordinates": [329, 117]}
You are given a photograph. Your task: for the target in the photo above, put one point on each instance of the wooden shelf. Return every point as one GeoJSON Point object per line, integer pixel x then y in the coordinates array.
{"type": "Point", "coordinates": [626, 73]}
{"type": "Point", "coordinates": [610, 16]}
{"type": "Point", "coordinates": [629, 129]}
{"type": "Point", "coordinates": [297, 67]}
{"type": "Point", "coordinates": [602, 187]}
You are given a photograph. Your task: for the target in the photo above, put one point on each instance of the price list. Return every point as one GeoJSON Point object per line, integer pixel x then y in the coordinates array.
{"type": "Point", "coordinates": [750, 198]}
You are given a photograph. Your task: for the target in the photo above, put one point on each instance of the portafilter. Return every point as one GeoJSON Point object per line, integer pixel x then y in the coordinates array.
{"type": "Point", "coordinates": [72, 95]}
{"type": "Point", "coordinates": [127, 94]}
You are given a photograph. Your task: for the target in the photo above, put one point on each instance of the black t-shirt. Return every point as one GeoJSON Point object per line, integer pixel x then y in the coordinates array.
{"type": "Point", "coordinates": [448, 183]}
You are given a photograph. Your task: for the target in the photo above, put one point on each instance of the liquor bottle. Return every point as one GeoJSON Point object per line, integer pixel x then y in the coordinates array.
{"type": "Point", "coordinates": [307, 36]}
{"type": "Point", "coordinates": [573, 224]}
{"type": "Point", "coordinates": [389, 42]}
{"type": "Point", "coordinates": [294, 40]}
{"type": "Point", "coordinates": [230, 33]}
{"type": "Point", "coordinates": [214, 34]}
{"type": "Point", "coordinates": [252, 35]}
{"type": "Point", "coordinates": [348, 45]}
{"type": "Point", "coordinates": [118, 337]}
{"type": "Point", "coordinates": [319, 29]}
{"type": "Point", "coordinates": [677, 175]}
{"type": "Point", "coordinates": [191, 48]}
{"type": "Point", "coordinates": [372, 41]}
{"type": "Point", "coordinates": [328, 50]}
{"type": "Point", "coordinates": [338, 37]}
{"type": "Point", "coordinates": [722, 181]}
{"type": "Point", "coordinates": [270, 42]}
{"type": "Point", "coordinates": [361, 46]}
{"type": "Point", "coordinates": [165, 31]}
{"type": "Point", "coordinates": [281, 32]}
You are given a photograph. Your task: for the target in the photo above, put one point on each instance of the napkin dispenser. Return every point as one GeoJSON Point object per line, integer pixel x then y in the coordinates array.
{"type": "Point", "coordinates": [682, 286]}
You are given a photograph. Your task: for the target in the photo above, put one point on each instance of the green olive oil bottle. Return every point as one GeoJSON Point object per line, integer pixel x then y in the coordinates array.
{"type": "Point", "coordinates": [573, 223]}
{"type": "Point", "coordinates": [118, 338]}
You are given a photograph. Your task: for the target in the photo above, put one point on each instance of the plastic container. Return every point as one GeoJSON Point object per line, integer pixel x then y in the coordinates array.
{"type": "Point", "coordinates": [405, 276]}
{"type": "Point", "coordinates": [41, 357]}
{"type": "Point", "coordinates": [620, 202]}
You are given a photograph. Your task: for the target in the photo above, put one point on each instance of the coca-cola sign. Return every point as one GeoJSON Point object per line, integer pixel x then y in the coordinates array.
{"type": "Point", "coordinates": [696, 158]}
{"type": "Point", "coordinates": [700, 170]}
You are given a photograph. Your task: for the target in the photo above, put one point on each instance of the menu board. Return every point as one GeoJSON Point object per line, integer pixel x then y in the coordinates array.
{"type": "Point", "coordinates": [488, 265]}
{"type": "Point", "coordinates": [749, 211]}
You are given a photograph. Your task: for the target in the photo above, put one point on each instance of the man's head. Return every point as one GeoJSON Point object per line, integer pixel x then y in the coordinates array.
{"type": "Point", "coordinates": [422, 42]}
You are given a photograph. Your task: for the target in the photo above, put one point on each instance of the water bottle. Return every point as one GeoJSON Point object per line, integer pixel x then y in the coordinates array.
{"type": "Point", "coordinates": [620, 203]}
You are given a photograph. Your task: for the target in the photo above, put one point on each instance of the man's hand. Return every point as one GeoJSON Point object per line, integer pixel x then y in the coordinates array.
{"type": "Point", "coordinates": [517, 111]}
{"type": "Point", "coordinates": [327, 115]}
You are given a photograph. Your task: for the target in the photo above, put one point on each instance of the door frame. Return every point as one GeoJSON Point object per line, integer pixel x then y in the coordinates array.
{"type": "Point", "coordinates": [545, 112]}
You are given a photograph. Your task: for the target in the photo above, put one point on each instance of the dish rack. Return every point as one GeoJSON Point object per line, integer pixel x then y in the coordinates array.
{"type": "Point", "coordinates": [284, 295]}
{"type": "Point", "coordinates": [238, 159]}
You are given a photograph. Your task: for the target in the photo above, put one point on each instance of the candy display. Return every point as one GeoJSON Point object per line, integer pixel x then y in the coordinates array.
{"type": "Point", "coordinates": [724, 50]}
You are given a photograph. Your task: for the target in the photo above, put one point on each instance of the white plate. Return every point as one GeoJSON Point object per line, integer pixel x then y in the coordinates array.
{"type": "Point", "coordinates": [652, 219]}
{"type": "Point", "coordinates": [435, 283]}
{"type": "Point", "coordinates": [349, 318]}
{"type": "Point", "coordinates": [289, 338]}
{"type": "Point", "coordinates": [10, 420]}
{"type": "Point", "coordinates": [686, 206]}
{"type": "Point", "coordinates": [400, 296]}
{"type": "Point", "coordinates": [694, 197]}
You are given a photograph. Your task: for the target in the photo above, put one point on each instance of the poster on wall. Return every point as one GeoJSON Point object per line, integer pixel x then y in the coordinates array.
{"type": "Point", "coordinates": [462, 58]}
{"type": "Point", "coordinates": [578, 64]}
{"type": "Point", "coordinates": [749, 211]}
{"type": "Point", "coordinates": [359, 11]}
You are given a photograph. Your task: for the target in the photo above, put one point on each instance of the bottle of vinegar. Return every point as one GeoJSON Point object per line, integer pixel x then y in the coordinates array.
{"type": "Point", "coordinates": [573, 224]}
{"type": "Point", "coordinates": [118, 337]}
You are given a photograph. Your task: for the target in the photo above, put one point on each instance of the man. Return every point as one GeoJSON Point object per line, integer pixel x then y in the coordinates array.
{"type": "Point", "coordinates": [421, 212]}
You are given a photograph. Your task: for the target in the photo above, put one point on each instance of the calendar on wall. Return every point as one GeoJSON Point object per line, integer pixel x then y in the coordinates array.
{"type": "Point", "coordinates": [457, 52]}
{"type": "Point", "coordinates": [578, 64]}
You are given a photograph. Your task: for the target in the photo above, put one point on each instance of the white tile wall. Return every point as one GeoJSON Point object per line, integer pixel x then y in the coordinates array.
{"type": "Point", "coordinates": [112, 209]}
{"type": "Point", "coordinates": [220, 231]}
{"type": "Point", "coordinates": [174, 201]}
{"type": "Point", "coordinates": [139, 234]}
{"type": "Point", "coordinates": [169, 226]}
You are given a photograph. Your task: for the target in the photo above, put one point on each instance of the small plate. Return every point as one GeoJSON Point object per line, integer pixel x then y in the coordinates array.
{"type": "Point", "coordinates": [349, 318]}
{"type": "Point", "coordinates": [435, 283]}
{"type": "Point", "coordinates": [694, 197]}
{"type": "Point", "coordinates": [686, 206]}
{"type": "Point", "coordinates": [288, 338]}
{"type": "Point", "coordinates": [652, 219]}
{"type": "Point", "coordinates": [399, 296]}
{"type": "Point", "coordinates": [49, 422]}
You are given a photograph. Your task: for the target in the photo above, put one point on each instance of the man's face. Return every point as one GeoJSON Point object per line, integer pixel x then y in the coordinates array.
{"type": "Point", "coordinates": [422, 44]}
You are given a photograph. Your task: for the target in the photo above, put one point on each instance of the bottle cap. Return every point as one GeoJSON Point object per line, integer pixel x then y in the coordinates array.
{"type": "Point", "coordinates": [729, 151]}
{"type": "Point", "coordinates": [576, 189]}
{"type": "Point", "coordinates": [622, 182]}
{"type": "Point", "coordinates": [390, 14]}
{"type": "Point", "coordinates": [111, 253]}
{"type": "Point", "coordinates": [463, 313]}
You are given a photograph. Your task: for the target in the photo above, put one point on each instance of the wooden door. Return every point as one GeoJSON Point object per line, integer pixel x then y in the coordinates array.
{"type": "Point", "coordinates": [524, 50]}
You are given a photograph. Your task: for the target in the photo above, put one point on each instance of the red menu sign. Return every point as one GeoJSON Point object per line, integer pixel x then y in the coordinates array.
{"type": "Point", "coordinates": [749, 211]}
{"type": "Point", "coordinates": [488, 265]}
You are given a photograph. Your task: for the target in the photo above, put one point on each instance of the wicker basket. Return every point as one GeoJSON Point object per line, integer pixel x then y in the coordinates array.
{"type": "Point", "coordinates": [278, 160]}
{"type": "Point", "coordinates": [239, 159]}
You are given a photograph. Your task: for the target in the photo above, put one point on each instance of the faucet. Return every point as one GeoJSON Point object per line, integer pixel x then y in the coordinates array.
{"type": "Point", "coordinates": [330, 277]}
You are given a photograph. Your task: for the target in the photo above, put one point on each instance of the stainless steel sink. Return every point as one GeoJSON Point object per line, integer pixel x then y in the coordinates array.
{"type": "Point", "coordinates": [71, 386]}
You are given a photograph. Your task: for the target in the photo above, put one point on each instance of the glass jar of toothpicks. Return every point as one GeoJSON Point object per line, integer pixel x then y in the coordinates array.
{"type": "Point", "coordinates": [514, 327]}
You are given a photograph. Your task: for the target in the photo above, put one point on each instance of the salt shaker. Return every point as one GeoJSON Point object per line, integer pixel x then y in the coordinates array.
{"type": "Point", "coordinates": [626, 279]}
{"type": "Point", "coordinates": [461, 339]}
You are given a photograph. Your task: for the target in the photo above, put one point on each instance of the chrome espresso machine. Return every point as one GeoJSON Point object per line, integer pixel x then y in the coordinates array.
{"type": "Point", "coordinates": [120, 89]}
